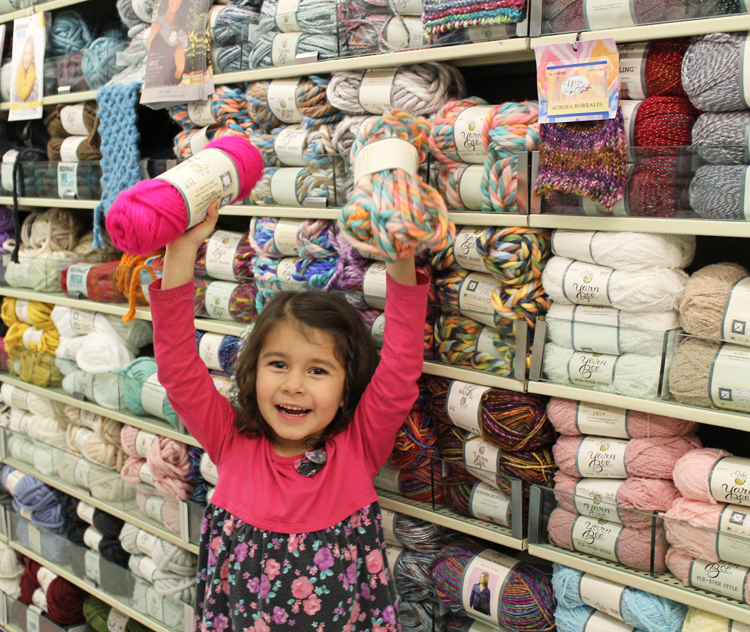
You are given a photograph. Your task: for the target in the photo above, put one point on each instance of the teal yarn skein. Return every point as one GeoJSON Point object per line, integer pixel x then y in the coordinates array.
{"type": "Point", "coordinates": [134, 378]}
{"type": "Point", "coordinates": [99, 62]}
{"type": "Point", "coordinates": [68, 34]}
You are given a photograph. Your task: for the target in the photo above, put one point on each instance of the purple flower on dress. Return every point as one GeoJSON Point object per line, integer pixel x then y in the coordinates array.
{"type": "Point", "coordinates": [240, 551]}
{"type": "Point", "coordinates": [364, 590]}
{"type": "Point", "coordinates": [253, 585]}
{"type": "Point", "coordinates": [351, 574]}
{"type": "Point", "coordinates": [221, 623]}
{"type": "Point", "coordinates": [324, 559]}
{"type": "Point", "coordinates": [389, 616]}
{"type": "Point", "coordinates": [279, 615]}
{"type": "Point", "coordinates": [265, 586]}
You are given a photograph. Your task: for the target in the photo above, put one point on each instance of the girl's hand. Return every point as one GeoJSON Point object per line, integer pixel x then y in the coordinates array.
{"type": "Point", "coordinates": [179, 261]}
{"type": "Point", "coordinates": [404, 271]}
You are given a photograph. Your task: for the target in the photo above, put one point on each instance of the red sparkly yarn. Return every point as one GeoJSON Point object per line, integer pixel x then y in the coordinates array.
{"type": "Point", "coordinates": [101, 283]}
{"type": "Point", "coordinates": [664, 122]}
{"type": "Point", "coordinates": [664, 67]}
{"type": "Point", "coordinates": [658, 187]}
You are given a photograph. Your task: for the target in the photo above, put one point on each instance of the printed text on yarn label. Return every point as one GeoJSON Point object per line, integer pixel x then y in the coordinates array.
{"type": "Point", "coordinates": [143, 442]}
{"type": "Point", "coordinates": [69, 148]}
{"type": "Point", "coordinates": [45, 577]}
{"type": "Point", "coordinates": [289, 145]}
{"type": "Point", "coordinates": [21, 271]}
{"type": "Point", "coordinates": [597, 498]}
{"type": "Point", "coordinates": [597, 537]}
{"type": "Point", "coordinates": [6, 169]}
{"type": "Point", "coordinates": [281, 97]}
{"type": "Point", "coordinates": [67, 180]}
{"type": "Point", "coordinates": [601, 594]}
{"type": "Point", "coordinates": [92, 538]}
{"type": "Point", "coordinates": [39, 599]}
{"type": "Point", "coordinates": [19, 398]}
{"type": "Point", "coordinates": [284, 186]}
{"type": "Point", "coordinates": [406, 35]}
{"type": "Point", "coordinates": [384, 155]}
{"type": "Point", "coordinates": [88, 418]}
{"type": "Point", "coordinates": [145, 542]}
{"type": "Point", "coordinates": [633, 70]}
{"type": "Point", "coordinates": [470, 187]}
{"type": "Point", "coordinates": [491, 32]}
{"type": "Point", "coordinates": [574, 244]}
{"type": "Point", "coordinates": [388, 478]}
{"type": "Point", "coordinates": [70, 350]}
{"type": "Point", "coordinates": [592, 369]}
{"type": "Point", "coordinates": [608, 421]}
{"type": "Point", "coordinates": [198, 140]}
{"type": "Point", "coordinates": [116, 621]}
{"type": "Point", "coordinates": [32, 621]}
{"type": "Point", "coordinates": [284, 49]}
{"type": "Point", "coordinates": [81, 473]}
{"type": "Point", "coordinates": [486, 342]}
{"type": "Point", "coordinates": [608, 14]}
{"type": "Point", "coordinates": [82, 322]}
{"type": "Point", "coordinates": [218, 295]}
{"type": "Point", "coordinates": [35, 538]}
{"type": "Point", "coordinates": [85, 512]}
{"type": "Point", "coordinates": [483, 583]}
{"type": "Point", "coordinates": [373, 285]}
{"type": "Point", "coordinates": [154, 506]}
{"type": "Point", "coordinates": [733, 539]}
{"type": "Point", "coordinates": [208, 350]}
{"type": "Point", "coordinates": [285, 234]}
{"type": "Point", "coordinates": [600, 622]}
{"type": "Point", "coordinates": [601, 457]}
{"type": "Point", "coordinates": [199, 113]}
{"type": "Point", "coordinates": [408, 7]}
{"type": "Point", "coordinates": [490, 504]}
{"type": "Point", "coordinates": [736, 323]}
{"type": "Point", "coordinates": [729, 385]}
{"type": "Point", "coordinates": [594, 329]}
{"type": "Point", "coordinates": [389, 520]}
{"type": "Point", "coordinates": [465, 248]}
{"type": "Point", "coordinates": [392, 553]}
{"type": "Point", "coordinates": [481, 459]}
{"type": "Point", "coordinates": [286, 271]}
{"type": "Point", "coordinates": [144, 473]}
{"type": "Point", "coordinates": [464, 405]}
{"type": "Point", "coordinates": [377, 330]}
{"type": "Point", "coordinates": [467, 133]}
{"type": "Point", "coordinates": [72, 120]}
{"type": "Point", "coordinates": [221, 251]}
{"type": "Point", "coordinates": [286, 16]}
{"type": "Point", "coordinates": [84, 383]}
{"type": "Point", "coordinates": [475, 297]}
{"type": "Point", "coordinates": [587, 284]}
{"type": "Point", "coordinates": [153, 395]}
{"type": "Point", "coordinates": [721, 578]}
{"type": "Point", "coordinates": [209, 470]}
{"type": "Point", "coordinates": [728, 481]}
{"type": "Point", "coordinates": [22, 311]}
{"type": "Point", "coordinates": [80, 436]}
{"type": "Point", "coordinates": [375, 93]}
{"type": "Point", "coordinates": [92, 567]}
{"type": "Point", "coordinates": [77, 276]}
{"type": "Point", "coordinates": [205, 177]}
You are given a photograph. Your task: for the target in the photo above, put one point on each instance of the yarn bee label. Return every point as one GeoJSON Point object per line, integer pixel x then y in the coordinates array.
{"type": "Point", "coordinates": [92, 539]}
{"type": "Point", "coordinates": [147, 568]}
{"type": "Point", "coordinates": [21, 271]}
{"type": "Point", "coordinates": [154, 604]}
{"type": "Point", "coordinates": [389, 531]}
{"type": "Point", "coordinates": [153, 395]}
{"type": "Point", "coordinates": [490, 504]}
{"type": "Point", "coordinates": [375, 93]}
{"type": "Point", "coordinates": [80, 436]}
{"type": "Point", "coordinates": [286, 270]}
{"type": "Point", "coordinates": [736, 323]}
{"type": "Point", "coordinates": [82, 322]}
{"type": "Point", "coordinates": [597, 498]}
{"type": "Point", "coordinates": [69, 148]}
{"type": "Point", "coordinates": [284, 49]}
{"type": "Point", "coordinates": [601, 457]}
{"type": "Point", "coordinates": [465, 246]}
{"type": "Point", "coordinates": [154, 506]}
{"type": "Point", "coordinates": [633, 70]}
{"type": "Point", "coordinates": [592, 369]}
{"type": "Point", "coordinates": [208, 350]}
{"type": "Point", "coordinates": [12, 480]}
{"type": "Point", "coordinates": [470, 189]}
{"type": "Point", "coordinates": [282, 100]}
{"type": "Point", "coordinates": [596, 537]}
{"type": "Point", "coordinates": [574, 244]}
{"type": "Point", "coordinates": [464, 405]}
{"type": "Point", "coordinates": [587, 284]}
{"type": "Point", "coordinates": [285, 234]}
{"type": "Point", "coordinates": [144, 473]}
{"type": "Point", "coordinates": [602, 595]}
{"type": "Point", "coordinates": [467, 133]}
{"type": "Point", "coordinates": [377, 330]}
{"type": "Point", "coordinates": [198, 140]}
{"type": "Point", "coordinates": [481, 459]}
{"type": "Point", "coordinates": [608, 14]}
{"type": "Point", "coordinates": [729, 384]}
{"type": "Point", "coordinates": [81, 473]}
{"type": "Point", "coordinates": [384, 154]}
{"type": "Point", "coordinates": [70, 350]}
{"type": "Point", "coordinates": [289, 144]}
{"type": "Point", "coordinates": [145, 542]}
{"type": "Point", "coordinates": [84, 383]}
{"type": "Point", "coordinates": [728, 481]}
{"type": "Point", "coordinates": [408, 7]}
{"type": "Point", "coordinates": [218, 297]}
{"type": "Point", "coordinates": [85, 512]}
{"type": "Point", "coordinates": [73, 121]}
{"type": "Point", "coordinates": [221, 251]}
{"type": "Point", "coordinates": [116, 621]}
{"type": "Point", "coordinates": [733, 539]}
{"type": "Point", "coordinates": [199, 113]}
{"type": "Point", "coordinates": [405, 34]}
{"type": "Point", "coordinates": [45, 577]}
{"type": "Point", "coordinates": [373, 285]}
{"type": "Point", "coordinates": [286, 16]}
{"type": "Point", "coordinates": [143, 442]}
{"type": "Point", "coordinates": [392, 553]}
{"type": "Point", "coordinates": [19, 398]}
{"type": "Point", "coordinates": [389, 478]}
{"type": "Point", "coordinates": [284, 188]}
{"type": "Point", "coordinates": [486, 343]}
{"type": "Point", "coordinates": [475, 297]}
{"type": "Point", "coordinates": [22, 311]}
{"type": "Point", "coordinates": [721, 578]}
{"type": "Point", "coordinates": [483, 583]}
{"type": "Point", "coordinates": [594, 419]}
{"type": "Point", "coordinates": [209, 470]}
{"type": "Point", "coordinates": [600, 622]}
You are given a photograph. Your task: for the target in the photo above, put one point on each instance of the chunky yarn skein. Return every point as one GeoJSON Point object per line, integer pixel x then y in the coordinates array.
{"type": "Point", "coordinates": [679, 563]}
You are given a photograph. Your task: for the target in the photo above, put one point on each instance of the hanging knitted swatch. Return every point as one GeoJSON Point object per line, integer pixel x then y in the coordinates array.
{"type": "Point", "coordinates": [441, 16]}
{"type": "Point", "coordinates": [587, 158]}
{"type": "Point", "coordinates": [117, 128]}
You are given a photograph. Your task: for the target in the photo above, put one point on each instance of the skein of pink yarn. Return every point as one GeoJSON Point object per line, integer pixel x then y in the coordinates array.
{"type": "Point", "coordinates": [692, 471]}
{"type": "Point", "coordinates": [679, 563]}
{"type": "Point", "coordinates": [170, 510]}
{"type": "Point", "coordinates": [152, 214]}
{"type": "Point", "coordinates": [644, 458]}
{"type": "Point", "coordinates": [562, 414]}
{"type": "Point", "coordinates": [169, 465]}
{"type": "Point", "coordinates": [127, 441]}
{"type": "Point", "coordinates": [633, 545]}
{"type": "Point", "coordinates": [642, 494]}
{"type": "Point", "coordinates": [130, 470]}
{"type": "Point", "coordinates": [687, 524]}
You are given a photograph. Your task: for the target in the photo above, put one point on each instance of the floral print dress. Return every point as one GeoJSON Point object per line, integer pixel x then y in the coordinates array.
{"type": "Point", "coordinates": [250, 580]}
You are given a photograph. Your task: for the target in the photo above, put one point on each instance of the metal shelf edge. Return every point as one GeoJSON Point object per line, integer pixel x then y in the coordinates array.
{"type": "Point", "coordinates": [475, 377]}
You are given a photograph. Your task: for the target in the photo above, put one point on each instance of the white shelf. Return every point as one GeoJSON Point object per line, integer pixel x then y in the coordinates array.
{"type": "Point", "coordinates": [475, 377]}
{"type": "Point", "coordinates": [712, 417]}
{"type": "Point", "coordinates": [445, 517]}
{"type": "Point", "coordinates": [664, 585]}
{"type": "Point", "coordinates": [71, 97]}
{"type": "Point", "coordinates": [302, 212]}
{"type": "Point", "coordinates": [49, 202]}
{"type": "Point", "coordinates": [660, 225]}
{"type": "Point", "coordinates": [123, 510]}
{"type": "Point", "coordinates": [39, 8]}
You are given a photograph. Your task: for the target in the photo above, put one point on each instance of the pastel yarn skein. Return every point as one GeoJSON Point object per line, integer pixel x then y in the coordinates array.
{"type": "Point", "coordinates": [679, 563]}
{"type": "Point", "coordinates": [317, 17]}
{"type": "Point", "coordinates": [701, 621]}
{"type": "Point", "coordinates": [692, 472]}
{"type": "Point", "coordinates": [105, 387]}
{"type": "Point", "coordinates": [690, 373]}
{"type": "Point", "coordinates": [326, 45]}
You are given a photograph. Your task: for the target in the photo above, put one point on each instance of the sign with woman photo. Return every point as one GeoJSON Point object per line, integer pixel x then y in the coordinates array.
{"type": "Point", "coordinates": [27, 68]}
{"type": "Point", "coordinates": [483, 584]}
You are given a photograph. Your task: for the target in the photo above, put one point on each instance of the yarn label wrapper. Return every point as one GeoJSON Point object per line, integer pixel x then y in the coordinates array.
{"type": "Point", "coordinates": [587, 284]}
{"type": "Point", "coordinates": [153, 507]}
{"type": "Point", "coordinates": [408, 7]}
{"type": "Point", "coordinates": [146, 542]}
{"type": "Point", "coordinates": [92, 538]}
{"type": "Point", "coordinates": [601, 594]}
{"type": "Point", "coordinates": [375, 92]}
{"type": "Point", "coordinates": [71, 349]}
{"type": "Point", "coordinates": [6, 169]}
{"type": "Point", "coordinates": [392, 553]}
{"type": "Point", "coordinates": [84, 383]}
{"type": "Point", "coordinates": [728, 481]}
{"type": "Point", "coordinates": [39, 599]}
{"type": "Point", "coordinates": [284, 49]}
{"type": "Point", "coordinates": [143, 442]}
{"type": "Point", "coordinates": [76, 278]}
{"type": "Point", "coordinates": [206, 177]}
{"type": "Point", "coordinates": [198, 140]}
{"type": "Point", "coordinates": [608, 421]}
{"type": "Point", "coordinates": [633, 70]}
{"type": "Point", "coordinates": [69, 148]}
{"type": "Point", "coordinates": [208, 350]}
{"type": "Point", "coordinates": [594, 329]}
{"type": "Point", "coordinates": [607, 14]}
{"type": "Point", "coordinates": [82, 322]}
{"type": "Point", "coordinates": [286, 16]}
{"type": "Point", "coordinates": [467, 134]}
{"type": "Point", "coordinates": [80, 436]}
{"type": "Point", "coordinates": [377, 330]}
{"type": "Point", "coordinates": [81, 473]}
{"type": "Point", "coordinates": [282, 100]}
{"type": "Point", "coordinates": [597, 498]}
{"type": "Point", "coordinates": [465, 247]}
{"type": "Point", "coordinates": [389, 478]}
{"type": "Point", "coordinates": [45, 577]}
{"type": "Point", "coordinates": [116, 621]}
{"type": "Point", "coordinates": [85, 512]}
{"type": "Point", "coordinates": [12, 480]}
{"type": "Point", "coordinates": [154, 604]}
{"type": "Point", "coordinates": [221, 251]}
{"type": "Point", "coordinates": [601, 457]}
{"type": "Point", "coordinates": [601, 622]}
{"type": "Point", "coordinates": [493, 567]}
{"type": "Point", "coordinates": [373, 285]}
{"type": "Point", "coordinates": [22, 311]}
{"type": "Point", "coordinates": [491, 32]}
{"type": "Point", "coordinates": [574, 244]}
{"type": "Point", "coordinates": [218, 296]}
{"type": "Point", "coordinates": [463, 405]}
{"type": "Point", "coordinates": [490, 504]}
{"type": "Point", "coordinates": [481, 459]}
{"type": "Point", "coordinates": [147, 568]}
{"type": "Point", "coordinates": [405, 34]}
{"type": "Point", "coordinates": [144, 473]}
{"type": "Point", "coordinates": [285, 235]}
{"type": "Point", "coordinates": [597, 537]}
{"type": "Point", "coordinates": [592, 369]}
{"type": "Point", "coordinates": [153, 395]}
{"type": "Point", "coordinates": [208, 470]}
{"type": "Point", "coordinates": [284, 186]}
{"type": "Point", "coordinates": [72, 120]}
{"type": "Point", "coordinates": [286, 271]}
{"type": "Point", "coordinates": [289, 144]}
{"type": "Point", "coordinates": [733, 539]}
{"type": "Point", "coordinates": [736, 323]}
{"type": "Point", "coordinates": [721, 578]}
{"type": "Point", "coordinates": [199, 113]}
{"type": "Point", "coordinates": [486, 342]}
{"type": "Point", "coordinates": [19, 398]}
{"type": "Point", "coordinates": [729, 383]}
{"type": "Point", "coordinates": [475, 297]}
{"type": "Point", "coordinates": [389, 521]}
{"type": "Point", "coordinates": [387, 154]}
{"type": "Point", "coordinates": [470, 187]}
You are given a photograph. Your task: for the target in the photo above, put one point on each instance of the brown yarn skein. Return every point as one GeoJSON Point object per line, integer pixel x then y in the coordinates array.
{"type": "Point", "coordinates": [690, 374]}
{"type": "Point", "coordinates": [705, 298]}
{"type": "Point", "coordinates": [87, 150]}
{"type": "Point", "coordinates": [53, 120]}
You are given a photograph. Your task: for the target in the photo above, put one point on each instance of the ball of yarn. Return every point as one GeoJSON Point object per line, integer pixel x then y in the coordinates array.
{"type": "Point", "coordinates": [169, 465]}
{"type": "Point", "coordinates": [308, 182]}
{"type": "Point", "coordinates": [134, 380]}
{"type": "Point", "coordinates": [316, 148]}
{"type": "Point", "coordinates": [717, 191]}
{"type": "Point", "coordinates": [443, 143]}
{"type": "Point", "coordinates": [692, 473]}
{"type": "Point", "coordinates": [562, 413]}
{"type": "Point", "coordinates": [664, 122]}
{"type": "Point", "coordinates": [135, 15]}
{"type": "Point", "coordinates": [325, 45]}
{"type": "Point", "coordinates": [217, 243]}
{"type": "Point", "coordinates": [232, 58]}
{"type": "Point", "coordinates": [70, 323]}
{"type": "Point", "coordinates": [633, 547]}
{"type": "Point", "coordinates": [104, 388]}
{"type": "Point", "coordinates": [97, 614]}
{"type": "Point", "coordinates": [640, 609]}
{"type": "Point", "coordinates": [53, 230]}
{"type": "Point", "coordinates": [233, 25]}
{"type": "Point", "coordinates": [418, 535]}
{"type": "Point", "coordinates": [690, 373]}
{"type": "Point", "coordinates": [663, 69]}
{"type": "Point", "coordinates": [152, 214]}
{"type": "Point", "coordinates": [425, 483]}
{"type": "Point", "coordinates": [311, 16]}
{"type": "Point", "coordinates": [242, 305]}
{"type": "Point", "coordinates": [68, 33]}
{"type": "Point", "coordinates": [99, 63]}
{"type": "Point", "coordinates": [719, 137]}
{"type": "Point", "coordinates": [229, 103]}
{"type": "Point", "coordinates": [416, 442]}
{"type": "Point", "coordinates": [646, 458]}
{"type": "Point", "coordinates": [189, 142]}
{"type": "Point", "coordinates": [100, 282]}
{"type": "Point", "coordinates": [702, 621]}
{"type": "Point", "coordinates": [680, 563]}
{"type": "Point", "coordinates": [103, 484]}
{"type": "Point", "coordinates": [460, 487]}
{"type": "Point", "coordinates": [64, 602]}
{"type": "Point", "coordinates": [644, 495]}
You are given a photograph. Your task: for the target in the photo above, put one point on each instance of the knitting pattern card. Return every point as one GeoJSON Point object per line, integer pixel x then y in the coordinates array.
{"type": "Point", "coordinates": [27, 65]}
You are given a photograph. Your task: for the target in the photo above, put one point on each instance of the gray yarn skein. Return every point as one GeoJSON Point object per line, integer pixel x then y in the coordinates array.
{"type": "Point", "coordinates": [720, 137]}
{"type": "Point", "coordinates": [326, 46]}
{"type": "Point", "coordinates": [716, 192]}
{"type": "Point", "coordinates": [711, 72]}
{"type": "Point", "coordinates": [313, 16]}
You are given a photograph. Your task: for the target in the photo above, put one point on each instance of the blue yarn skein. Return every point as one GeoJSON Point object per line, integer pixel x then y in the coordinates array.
{"type": "Point", "coordinates": [30, 493]}
{"type": "Point", "coordinates": [50, 519]}
{"type": "Point", "coordinates": [134, 377]}
{"type": "Point", "coordinates": [228, 348]}
{"type": "Point", "coordinates": [573, 619]}
{"type": "Point", "coordinates": [68, 34]}
{"type": "Point", "coordinates": [232, 58]}
{"type": "Point", "coordinates": [640, 609]}
{"type": "Point", "coordinates": [99, 62]}
{"type": "Point", "coordinates": [234, 25]}
{"type": "Point", "coordinates": [316, 272]}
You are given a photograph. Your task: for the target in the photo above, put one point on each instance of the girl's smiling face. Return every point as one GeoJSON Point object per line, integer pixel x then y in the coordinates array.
{"type": "Point", "coordinates": [299, 384]}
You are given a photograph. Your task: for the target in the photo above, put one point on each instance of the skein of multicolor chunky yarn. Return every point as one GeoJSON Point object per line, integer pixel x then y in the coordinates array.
{"type": "Point", "coordinates": [228, 350]}
{"type": "Point", "coordinates": [515, 255]}
{"type": "Point", "coordinates": [317, 17]}
{"type": "Point", "coordinates": [325, 45]}
{"type": "Point", "coordinates": [440, 18]}
{"type": "Point", "coordinates": [267, 281]}
{"type": "Point", "coordinates": [317, 148]}
{"type": "Point", "coordinates": [241, 306]}
{"type": "Point", "coordinates": [308, 182]}
{"type": "Point", "coordinates": [188, 142]}
{"type": "Point", "coordinates": [229, 104]}
{"type": "Point", "coordinates": [367, 33]}
{"type": "Point", "coordinates": [416, 442]}
{"type": "Point", "coordinates": [229, 25]}
{"type": "Point", "coordinates": [443, 143]}
{"type": "Point", "coordinates": [242, 257]}
{"type": "Point", "coordinates": [314, 239]}
{"type": "Point", "coordinates": [512, 127]}
{"type": "Point", "coordinates": [416, 217]}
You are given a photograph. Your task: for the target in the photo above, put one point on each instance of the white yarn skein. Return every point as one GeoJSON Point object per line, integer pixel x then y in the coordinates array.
{"type": "Point", "coordinates": [651, 290]}
{"type": "Point", "coordinates": [67, 352]}
{"type": "Point", "coordinates": [54, 230]}
{"type": "Point", "coordinates": [630, 251]}
{"type": "Point", "coordinates": [85, 250]}
{"type": "Point", "coordinates": [103, 484]}
{"type": "Point", "coordinates": [10, 571]}
{"type": "Point", "coordinates": [420, 90]}
{"type": "Point", "coordinates": [346, 131]}
{"type": "Point", "coordinates": [105, 428]}
{"type": "Point", "coordinates": [174, 559]}
{"type": "Point", "coordinates": [93, 448]}
{"type": "Point", "coordinates": [41, 270]}
{"type": "Point", "coordinates": [36, 404]}
{"type": "Point", "coordinates": [107, 391]}
{"type": "Point", "coordinates": [635, 375]}
{"type": "Point", "coordinates": [46, 429]}
{"type": "Point", "coordinates": [43, 458]}
{"type": "Point", "coordinates": [128, 536]}
{"type": "Point", "coordinates": [208, 470]}
{"type": "Point", "coordinates": [136, 334]}
{"type": "Point", "coordinates": [100, 353]}
{"type": "Point", "coordinates": [637, 333]}
{"type": "Point", "coordinates": [173, 612]}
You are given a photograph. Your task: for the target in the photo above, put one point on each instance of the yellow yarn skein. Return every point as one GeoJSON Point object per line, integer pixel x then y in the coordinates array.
{"type": "Point", "coordinates": [40, 369]}
{"type": "Point", "coordinates": [39, 314]}
{"type": "Point", "coordinates": [702, 621]}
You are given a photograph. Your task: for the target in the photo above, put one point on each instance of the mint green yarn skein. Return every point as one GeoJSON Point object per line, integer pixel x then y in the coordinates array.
{"type": "Point", "coordinates": [133, 380]}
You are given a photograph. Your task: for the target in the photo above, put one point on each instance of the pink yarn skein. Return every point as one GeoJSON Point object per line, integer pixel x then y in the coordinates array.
{"type": "Point", "coordinates": [689, 535]}
{"type": "Point", "coordinates": [679, 563]}
{"type": "Point", "coordinates": [642, 494]}
{"type": "Point", "coordinates": [152, 214]}
{"type": "Point", "coordinates": [169, 465]}
{"type": "Point", "coordinates": [644, 458]}
{"type": "Point", "coordinates": [562, 414]}
{"type": "Point", "coordinates": [633, 545]}
{"type": "Point", "coordinates": [691, 473]}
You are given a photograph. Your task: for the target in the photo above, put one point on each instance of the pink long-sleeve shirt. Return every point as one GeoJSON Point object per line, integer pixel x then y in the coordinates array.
{"type": "Point", "coordinates": [257, 485]}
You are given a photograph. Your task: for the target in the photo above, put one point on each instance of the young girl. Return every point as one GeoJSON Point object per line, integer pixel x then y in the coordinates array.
{"type": "Point", "coordinates": [292, 537]}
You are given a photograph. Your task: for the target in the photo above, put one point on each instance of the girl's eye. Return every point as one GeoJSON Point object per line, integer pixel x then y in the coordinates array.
{"type": "Point", "coordinates": [277, 364]}
{"type": "Point", "coordinates": [319, 372]}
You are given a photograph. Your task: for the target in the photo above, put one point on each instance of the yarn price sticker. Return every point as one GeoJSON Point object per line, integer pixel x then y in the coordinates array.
{"type": "Point", "coordinates": [729, 386]}
{"type": "Point", "coordinates": [593, 419]}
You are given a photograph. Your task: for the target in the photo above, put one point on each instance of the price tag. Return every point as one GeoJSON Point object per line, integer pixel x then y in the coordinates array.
{"type": "Point", "coordinates": [67, 180]}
